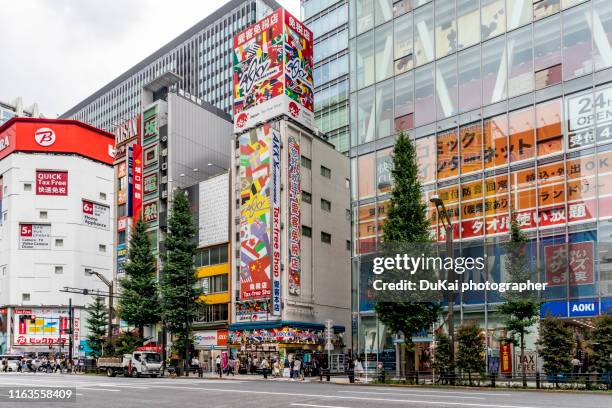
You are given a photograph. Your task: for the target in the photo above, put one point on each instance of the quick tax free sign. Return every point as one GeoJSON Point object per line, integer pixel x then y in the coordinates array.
{"type": "Point", "coordinates": [51, 182]}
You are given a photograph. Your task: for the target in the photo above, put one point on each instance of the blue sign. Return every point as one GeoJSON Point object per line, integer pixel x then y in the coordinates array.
{"type": "Point", "coordinates": [555, 309]}
{"type": "Point", "coordinates": [583, 308]}
{"type": "Point", "coordinates": [606, 306]}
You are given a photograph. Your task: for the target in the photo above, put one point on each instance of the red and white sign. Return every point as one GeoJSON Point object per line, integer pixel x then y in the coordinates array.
{"type": "Point", "coordinates": [122, 224]}
{"type": "Point", "coordinates": [575, 259]}
{"type": "Point", "coordinates": [34, 236]}
{"type": "Point", "coordinates": [45, 137]}
{"type": "Point", "coordinates": [137, 187]}
{"type": "Point", "coordinates": [51, 182]}
{"type": "Point", "coordinates": [96, 215]}
{"type": "Point", "coordinates": [210, 338]}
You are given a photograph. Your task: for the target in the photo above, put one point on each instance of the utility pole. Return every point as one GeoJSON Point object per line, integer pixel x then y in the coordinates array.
{"type": "Point", "coordinates": [70, 332]}
{"type": "Point", "coordinates": [109, 284]}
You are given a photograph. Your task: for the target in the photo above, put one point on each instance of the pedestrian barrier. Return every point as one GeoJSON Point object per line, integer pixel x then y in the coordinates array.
{"type": "Point", "coordinates": [328, 374]}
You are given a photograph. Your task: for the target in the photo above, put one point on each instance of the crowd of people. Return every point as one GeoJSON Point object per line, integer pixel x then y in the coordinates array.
{"type": "Point", "coordinates": [44, 364]}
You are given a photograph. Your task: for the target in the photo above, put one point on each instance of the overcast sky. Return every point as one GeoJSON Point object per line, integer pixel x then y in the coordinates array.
{"type": "Point", "coordinates": [57, 52]}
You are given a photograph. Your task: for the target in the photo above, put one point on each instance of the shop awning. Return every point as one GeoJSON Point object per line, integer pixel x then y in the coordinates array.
{"type": "Point", "coordinates": [283, 323]}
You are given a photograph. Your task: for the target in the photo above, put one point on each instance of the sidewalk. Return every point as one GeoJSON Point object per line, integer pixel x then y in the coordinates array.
{"type": "Point", "coordinates": [259, 377]}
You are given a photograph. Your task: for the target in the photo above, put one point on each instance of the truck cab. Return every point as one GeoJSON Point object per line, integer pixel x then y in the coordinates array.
{"type": "Point", "coordinates": [143, 363]}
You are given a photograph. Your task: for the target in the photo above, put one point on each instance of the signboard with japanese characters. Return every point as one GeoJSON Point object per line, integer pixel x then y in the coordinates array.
{"type": "Point", "coordinates": [149, 212]}
{"type": "Point", "coordinates": [45, 327]}
{"type": "Point", "coordinates": [574, 259]}
{"type": "Point", "coordinates": [96, 215]}
{"type": "Point", "coordinates": [122, 253]}
{"type": "Point", "coordinates": [126, 134]}
{"type": "Point", "coordinates": [273, 72]}
{"type": "Point", "coordinates": [150, 184]}
{"type": "Point", "coordinates": [150, 125]}
{"type": "Point", "coordinates": [295, 216]}
{"type": "Point", "coordinates": [51, 182]}
{"type": "Point", "coordinates": [589, 117]}
{"type": "Point", "coordinates": [34, 236]}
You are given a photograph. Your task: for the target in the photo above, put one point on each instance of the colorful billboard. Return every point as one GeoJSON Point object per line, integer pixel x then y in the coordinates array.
{"type": "Point", "coordinates": [273, 72]}
{"type": "Point", "coordinates": [45, 327]}
{"type": "Point", "coordinates": [135, 181]}
{"type": "Point", "coordinates": [294, 215]}
{"type": "Point", "coordinates": [51, 182]}
{"type": "Point", "coordinates": [256, 212]}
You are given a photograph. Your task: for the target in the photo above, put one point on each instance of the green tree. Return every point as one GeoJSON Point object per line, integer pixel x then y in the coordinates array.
{"type": "Point", "coordinates": [125, 343]}
{"type": "Point", "coordinates": [97, 324]}
{"type": "Point", "coordinates": [406, 223]}
{"type": "Point", "coordinates": [179, 295]}
{"type": "Point", "coordinates": [442, 358]}
{"type": "Point", "coordinates": [601, 344]}
{"type": "Point", "coordinates": [555, 347]}
{"type": "Point", "coordinates": [520, 309]}
{"type": "Point", "coordinates": [470, 357]}
{"type": "Point", "coordinates": [139, 303]}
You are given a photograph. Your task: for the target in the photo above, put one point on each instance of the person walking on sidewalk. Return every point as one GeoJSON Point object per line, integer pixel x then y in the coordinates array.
{"type": "Point", "coordinates": [264, 368]}
{"type": "Point", "coordinates": [218, 363]}
{"type": "Point", "coordinates": [230, 367]}
{"type": "Point", "coordinates": [297, 368]}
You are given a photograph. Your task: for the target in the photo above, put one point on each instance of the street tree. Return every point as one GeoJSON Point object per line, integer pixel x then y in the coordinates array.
{"type": "Point", "coordinates": [470, 357]}
{"type": "Point", "coordinates": [406, 224]}
{"type": "Point", "coordinates": [97, 325]}
{"type": "Point", "coordinates": [179, 295]}
{"type": "Point", "coordinates": [601, 344]}
{"type": "Point", "coordinates": [442, 362]}
{"type": "Point", "coordinates": [139, 304]}
{"type": "Point", "coordinates": [520, 309]}
{"type": "Point", "coordinates": [555, 347]}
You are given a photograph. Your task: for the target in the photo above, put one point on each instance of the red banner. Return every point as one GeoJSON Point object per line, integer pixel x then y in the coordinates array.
{"type": "Point", "coordinates": [575, 259]}
{"type": "Point", "coordinates": [137, 188]}
{"type": "Point", "coordinates": [51, 182]}
{"type": "Point", "coordinates": [505, 358]}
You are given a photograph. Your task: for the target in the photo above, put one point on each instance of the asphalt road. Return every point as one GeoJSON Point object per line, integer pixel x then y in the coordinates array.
{"type": "Point", "coordinates": [103, 392]}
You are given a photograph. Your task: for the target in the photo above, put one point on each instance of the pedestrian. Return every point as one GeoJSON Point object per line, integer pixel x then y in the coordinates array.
{"type": "Point", "coordinates": [230, 367]}
{"type": "Point", "coordinates": [4, 366]}
{"type": "Point", "coordinates": [297, 368]}
{"type": "Point", "coordinates": [218, 363]}
{"type": "Point", "coordinates": [358, 368]}
{"type": "Point", "coordinates": [576, 365]}
{"type": "Point", "coordinates": [276, 369]}
{"type": "Point", "coordinates": [195, 364]}
{"type": "Point", "coordinates": [264, 368]}
{"type": "Point", "coordinates": [255, 365]}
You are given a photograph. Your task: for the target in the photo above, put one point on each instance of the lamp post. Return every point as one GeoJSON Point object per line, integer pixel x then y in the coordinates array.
{"type": "Point", "coordinates": [109, 284]}
{"type": "Point", "coordinates": [450, 273]}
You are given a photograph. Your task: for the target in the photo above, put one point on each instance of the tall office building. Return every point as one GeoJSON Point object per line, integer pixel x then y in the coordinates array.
{"type": "Point", "coordinates": [509, 104]}
{"type": "Point", "coordinates": [201, 56]}
{"type": "Point", "coordinates": [328, 20]}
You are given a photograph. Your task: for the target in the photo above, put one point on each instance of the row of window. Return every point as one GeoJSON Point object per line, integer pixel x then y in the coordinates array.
{"type": "Point", "coordinates": [328, 21]}
{"type": "Point", "coordinates": [331, 45]}
{"type": "Point", "coordinates": [213, 284]}
{"type": "Point", "coordinates": [211, 256]}
{"type": "Point", "coordinates": [212, 313]}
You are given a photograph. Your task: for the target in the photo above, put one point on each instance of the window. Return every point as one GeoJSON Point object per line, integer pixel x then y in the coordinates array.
{"type": "Point", "coordinates": [495, 141]}
{"type": "Point", "coordinates": [384, 52]}
{"type": "Point", "coordinates": [426, 158]}
{"type": "Point", "coordinates": [306, 231]}
{"type": "Point", "coordinates": [520, 77]}
{"type": "Point", "coordinates": [493, 71]}
{"type": "Point", "coordinates": [59, 242]}
{"type": "Point", "coordinates": [102, 248]}
{"type": "Point", "coordinates": [446, 29]}
{"type": "Point", "coordinates": [211, 256]}
{"type": "Point", "coordinates": [576, 42]}
{"type": "Point", "coordinates": [446, 87]}
{"type": "Point", "coordinates": [347, 214]}
{"type": "Point", "coordinates": [102, 196]}
{"type": "Point", "coordinates": [306, 162]}
{"type": "Point", "coordinates": [403, 43]}
{"type": "Point", "coordinates": [424, 102]}
{"type": "Point", "coordinates": [447, 154]}
{"type": "Point", "coordinates": [519, 13]}
{"type": "Point", "coordinates": [59, 270]}
{"type": "Point", "coordinates": [404, 101]}
{"type": "Point", "coordinates": [365, 178]}
{"type": "Point", "coordinates": [364, 15]}
{"type": "Point", "coordinates": [214, 284]}
{"type": "Point", "coordinates": [27, 186]}
{"type": "Point", "coordinates": [383, 11]}
{"type": "Point", "coordinates": [365, 60]}
{"type": "Point", "coordinates": [384, 109]}
{"type": "Point", "coordinates": [306, 197]}
{"type": "Point", "coordinates": [493, 18]}
{"type": "Point", "coordinates": [469, 88]}
{"type": "Point", "coordinates": [547, 52]}
{"type": "Point", "coordinates": [325, 172]}
{"type": "Point", "coordinates": [348, 244]}
{"type": "Point", "coordinates": [325, 205]}
{"type": "Point", "coordinates": [43, 215]}
{"type": "Point", "coordinates": [25, 297]}
{"type": "Point", "coordinates": [212, 313]}
{"type": "Point", "coordinates": [602, 33]}
{"type": "Point", "coordinates": [325, 237]}
{"type": "Point", "coordinates": [521, 125]}
{"type": "Point", "coordinates": [423, 32]}
{"type": "Point", "coordinates": [384, 167]}
{"type": "Point", "coordinates": [548, 132]}
{"type": "Point", "coordinates": [468, 23]}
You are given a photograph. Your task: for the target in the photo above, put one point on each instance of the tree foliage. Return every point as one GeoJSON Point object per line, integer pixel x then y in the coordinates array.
{"type": "Point", "coordinates": [442, 362]}
{"type": "Point", "coordinates": [125, 343]}
{"type": "Point", "coordinates": [555, 346]}
{"type": "Point", "coordinates": [470, 357]}
{"type": "Point", "coordinates": [139, 304]}
{"type": "Point", "coordinates": [97, 325]}
{"type": "Point", "coordinates": [601, 344]}
{"type": "Point", "coordinates": [178, 280]}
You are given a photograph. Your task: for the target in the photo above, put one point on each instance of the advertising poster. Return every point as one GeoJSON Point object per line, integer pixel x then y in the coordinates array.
{"type": "Point", "coordinates": [136, 182]}
{"type": "Point", "coordinates": [295, 220]}
{"type": "Point", "coordinates": [255, 213]}
{"type": "Point", "coordinates": [252, 311]}
{"type": "Point", "coordinates": [51, 182]}
{"type": "Point", "coordinates": [149, 212]}
{"type": "Point", "coordinates": [214, 200]}
{"type": "Point", "coordinates": [96, 215]}
{"type": "Point", "coordinates": [126, 134]}
{"type": "Point", "coordinates": [505, 354]}
{"type": "Point", "coordinates": [273, 68]}
{"type": "Point", "coordinates": [150, 125]}
{"type": "Point", "coordinates": [575, 259]}
{"type": "Point", "coordinates": [34, 236]}
{"type": "Point", "coordinates": [44, 327]}
{"type": "Point", "coordinates": [122, 253]}
{"type": "Point", "coordinates": [276, 222]}
{"type": "Point", "coordinates": [150, 184]}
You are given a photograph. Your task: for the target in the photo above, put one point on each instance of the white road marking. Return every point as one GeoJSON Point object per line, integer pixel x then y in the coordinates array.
{"type": "Point", "coordinates": [444, 391]}
{"type": "Point", "coordinates": [318, 406]}
{"type": "Point", "coordinates": [123, 386]}
{"type": "Point", "coordinates": [463, 404]}
{"type": "Point", "coordinates": [98, 389]}
{"type": "Point", "coordinates": [413, 394]}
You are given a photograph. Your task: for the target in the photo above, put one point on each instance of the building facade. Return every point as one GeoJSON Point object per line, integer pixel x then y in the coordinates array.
{"type": "Point", "coordinates": [16, 108]}
{"type": "Point", "coordinates": [56, 196]}
{"type": "Point", "coordinates": [201, 56]}
{"type": "Point", "coordinates": [508, 104]}
{"type": "Point", "coordinates": [328, 20]}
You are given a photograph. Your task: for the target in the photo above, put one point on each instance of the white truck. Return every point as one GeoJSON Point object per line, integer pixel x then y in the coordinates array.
{"type": "Point", "coordinates": [137, 364]}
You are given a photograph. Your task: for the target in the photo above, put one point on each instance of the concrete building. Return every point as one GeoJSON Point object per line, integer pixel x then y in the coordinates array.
{"type": "Point", "coordinates": [285, 315]}
{"type": "Point", "coordinates": [56, 218]}
{"type": "Point", "coordinates": [16, 108]}
{"type": "Point", "coordinates": [201, 56]}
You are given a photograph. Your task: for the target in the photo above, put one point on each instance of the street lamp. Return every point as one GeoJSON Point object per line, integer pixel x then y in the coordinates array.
{"type": "Point", "coordinates": [109, 284]}
{"type": "Point", "coordinates": [450, 273]}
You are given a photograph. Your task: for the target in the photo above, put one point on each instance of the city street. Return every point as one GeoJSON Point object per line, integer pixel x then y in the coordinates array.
{"type": "Point", "coordinates": [97, 391]}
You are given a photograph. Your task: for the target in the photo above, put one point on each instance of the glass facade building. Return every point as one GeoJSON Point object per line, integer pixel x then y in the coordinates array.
{"type": "Point", "coordinates": [201, 56]}
{"type": "Point", "coordinates": [510, 105]}
{"type": "Point", "coordinates": [328, 20]}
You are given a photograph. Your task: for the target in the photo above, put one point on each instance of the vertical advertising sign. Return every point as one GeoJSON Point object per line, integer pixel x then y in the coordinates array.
{"type": "Point", "coordinates": [276, 223]}
{"type": "Point", "coordinates": [295, 223]}
{"type": "Point", "coordinates": [255, 213]}
{"type": "Point", "coordinates": [150, 125]}
{"type": "Point", "coordinates": [273, 68]}
{"type": "Point", "coordinates": [126, 134]}
{"type": "Point", "coordinates": [137, 181]}
{"type": "Point", "coordinates": [505, 354]}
